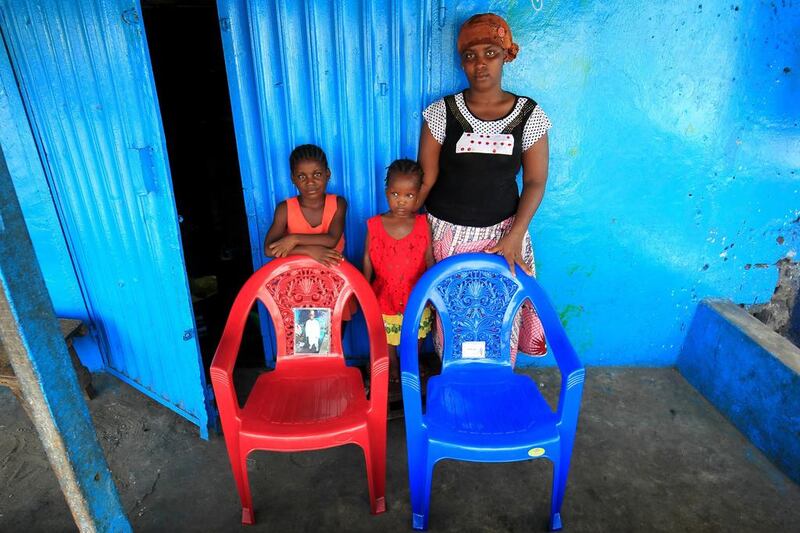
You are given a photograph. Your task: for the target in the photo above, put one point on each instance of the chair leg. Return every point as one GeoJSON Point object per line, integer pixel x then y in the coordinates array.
{"type": "Point", "coordinates": [420, 475]}
{"type": "Point", "coordinates": [560, 471]}
{"type": "Point", "coordinates": [375, 457]}
{"type": "Point", "coordinates": [248, 517]}
{"type": "Point", "coordinates": [239, 467]}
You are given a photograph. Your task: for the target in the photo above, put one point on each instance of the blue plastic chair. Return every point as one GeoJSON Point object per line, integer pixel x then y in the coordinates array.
{"type": "Point", "coordinates": [478, 409]}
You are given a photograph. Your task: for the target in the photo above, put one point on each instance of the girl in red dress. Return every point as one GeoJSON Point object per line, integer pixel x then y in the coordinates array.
{"type": "Point", "coordinates": [398, 251]}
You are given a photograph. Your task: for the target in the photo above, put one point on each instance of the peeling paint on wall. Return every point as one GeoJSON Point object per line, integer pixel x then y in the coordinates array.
{"type": "Point", "coordinates": [778, 313]}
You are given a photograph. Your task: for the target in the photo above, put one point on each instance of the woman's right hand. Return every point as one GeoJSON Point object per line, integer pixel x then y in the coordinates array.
{"type": "Point", "coordinates": [510, 247]}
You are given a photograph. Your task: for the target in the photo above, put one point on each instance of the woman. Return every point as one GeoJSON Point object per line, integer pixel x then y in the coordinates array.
{"type": "Point", "coordinates": [472, 145]}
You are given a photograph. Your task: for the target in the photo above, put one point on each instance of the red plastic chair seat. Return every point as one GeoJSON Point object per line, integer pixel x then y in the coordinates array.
{"type": "Point", "coordinates": [324, 393]}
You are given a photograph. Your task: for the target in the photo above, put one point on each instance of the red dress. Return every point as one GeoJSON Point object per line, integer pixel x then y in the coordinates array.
{"type": "Point", "coordinates": [398, 263]}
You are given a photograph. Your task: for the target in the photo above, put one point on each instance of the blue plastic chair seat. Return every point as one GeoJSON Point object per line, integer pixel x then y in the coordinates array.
{"type": "Point", "coordinates": [487, 410]}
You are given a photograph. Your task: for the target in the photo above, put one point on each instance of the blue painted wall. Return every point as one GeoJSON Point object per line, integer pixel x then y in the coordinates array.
{"type": "Point", "coordinates": [674, 161]}
{"type": "Point", "coordinates": [749, 373]}
{"type": "Point", "coordinates": [45, 374]}
{"type": "Point", "coordinates": [674, 153]}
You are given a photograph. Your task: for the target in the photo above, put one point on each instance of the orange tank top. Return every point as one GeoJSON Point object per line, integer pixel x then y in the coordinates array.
{"type": "Point", "coordinates": [297, 223]}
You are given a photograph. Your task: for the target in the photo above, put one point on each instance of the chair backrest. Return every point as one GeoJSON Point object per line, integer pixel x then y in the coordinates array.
{"type": "Point", "coordinates": [476, 299]}
{"type": "Point", "coordinates": [306, 301]}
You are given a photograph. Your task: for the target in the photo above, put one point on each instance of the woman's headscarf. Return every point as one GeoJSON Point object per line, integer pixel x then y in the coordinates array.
{"type": "Point", "coordinates": [487, 28]}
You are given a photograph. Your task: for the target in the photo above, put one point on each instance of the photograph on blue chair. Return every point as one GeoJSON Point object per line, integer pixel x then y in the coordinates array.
{"type": "Point", "coordinates": [312, 328]}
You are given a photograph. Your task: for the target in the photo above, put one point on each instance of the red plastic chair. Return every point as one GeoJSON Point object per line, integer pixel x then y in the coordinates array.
{"type": "Point", "coordinates": [308, 402]}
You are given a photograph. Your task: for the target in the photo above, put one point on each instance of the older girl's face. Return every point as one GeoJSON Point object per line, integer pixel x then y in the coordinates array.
{"type": "Point", "coordinates": [483, 65]}
{"type": "Point", "coordinates": [310, 177]}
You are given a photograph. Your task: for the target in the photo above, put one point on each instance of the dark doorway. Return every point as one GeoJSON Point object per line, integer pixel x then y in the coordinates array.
{"type": "Point", "coordinates": [189, 69]}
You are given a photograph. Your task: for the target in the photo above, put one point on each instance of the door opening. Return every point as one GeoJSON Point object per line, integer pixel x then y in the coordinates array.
{"type": "Point", "coordinates": [189, 68]}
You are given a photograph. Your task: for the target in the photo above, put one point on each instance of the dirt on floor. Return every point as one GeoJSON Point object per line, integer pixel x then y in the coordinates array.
{"type": "Point", "coordinates": [651, 455]}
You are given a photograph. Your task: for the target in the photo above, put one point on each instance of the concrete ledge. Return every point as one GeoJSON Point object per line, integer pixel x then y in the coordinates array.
{"type": "Point", "coordinates": [751, 374]}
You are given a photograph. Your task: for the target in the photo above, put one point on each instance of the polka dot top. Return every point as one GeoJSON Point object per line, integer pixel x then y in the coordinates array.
{"type": "Point", "coordinates": [537, 124]}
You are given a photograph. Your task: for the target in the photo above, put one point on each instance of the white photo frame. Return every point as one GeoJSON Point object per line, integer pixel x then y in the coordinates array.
{"type": "Point", "coordinates": [312, 330]}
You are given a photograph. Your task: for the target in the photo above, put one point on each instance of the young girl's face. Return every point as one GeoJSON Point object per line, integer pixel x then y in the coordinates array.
{"type": "Point", "coordinates": [401, 193]}
{"type": "Point", "coordinates": [310, 177]}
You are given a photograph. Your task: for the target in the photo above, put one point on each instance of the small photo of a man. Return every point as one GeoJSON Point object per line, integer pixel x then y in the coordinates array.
{"type": "Point", "coordinates": [312, 331]}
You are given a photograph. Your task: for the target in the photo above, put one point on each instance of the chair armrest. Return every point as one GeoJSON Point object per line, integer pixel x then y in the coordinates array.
{"type": "Point", "coordinates": [570, 366]}
{"type": "Point", "coordinates": [569, 399]}
{"type": "Point", "coordinates": [378, 353]}
{"type": "Point", "coordinates": [222, 382]}
{"type": "Point", "coordinates": [379, 368]}
{"type": "Point", "coordinates": [409, 361]}
{"type": "Point", "coordinates": [223, 363]}
{"type": "Point", "coordinates": [225, 395]}
{"type": "Point", "coordinates": [572, 374]}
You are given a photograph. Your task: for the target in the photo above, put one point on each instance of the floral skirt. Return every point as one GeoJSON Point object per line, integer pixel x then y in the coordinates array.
{"type": "Point", "coordinates": [527, 334]}
{"type": "Point", "coordinates": [394, 323]}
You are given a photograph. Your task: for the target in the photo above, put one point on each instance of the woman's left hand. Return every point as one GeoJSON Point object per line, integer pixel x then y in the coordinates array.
{"type": "Point", "coordinates": [510, 247]}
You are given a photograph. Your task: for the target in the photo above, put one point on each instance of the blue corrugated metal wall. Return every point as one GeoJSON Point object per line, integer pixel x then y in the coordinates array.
{"type": "Point", "coordinates": [84, 73]}
{"type": "Point", "coordinates": [337, 74]}
{"type": "Point", "coordinates": [674, 140]}
{"type": "Point", "coordinates": [41, 218]}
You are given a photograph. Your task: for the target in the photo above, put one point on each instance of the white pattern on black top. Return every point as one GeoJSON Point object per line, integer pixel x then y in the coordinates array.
{"type": "Point", "coordinates": [537, 124]}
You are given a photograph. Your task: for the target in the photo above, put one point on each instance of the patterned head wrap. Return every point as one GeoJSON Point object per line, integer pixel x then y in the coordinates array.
{"type": "Point", "coordinates": [487, 28]}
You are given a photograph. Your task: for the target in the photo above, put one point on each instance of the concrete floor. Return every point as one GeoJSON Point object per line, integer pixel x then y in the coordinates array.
{"type": "Point", "coordinates": [651, 455]}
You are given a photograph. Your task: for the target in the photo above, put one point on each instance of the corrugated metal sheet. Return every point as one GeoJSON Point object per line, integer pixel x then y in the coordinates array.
{"type": "Point", "coordinates": [38, 209]}
{"type": "Point", "coordinates": [347, 75]}
{"type": "Point", "coordinates": [84, 74]}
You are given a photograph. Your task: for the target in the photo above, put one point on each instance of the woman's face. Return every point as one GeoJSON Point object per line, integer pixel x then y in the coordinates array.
{"type": "Point", "coordinates": [483, 65]}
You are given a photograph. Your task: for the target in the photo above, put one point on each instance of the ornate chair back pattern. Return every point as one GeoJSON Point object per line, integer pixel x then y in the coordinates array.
{"type": "Point", "coordinates": [477, 303]}
{"type": "Point", "coordinates": [305, 288]}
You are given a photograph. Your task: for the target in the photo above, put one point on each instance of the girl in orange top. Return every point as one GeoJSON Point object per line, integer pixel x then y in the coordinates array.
{"type": "Point", "coordinates": [311, 223]}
